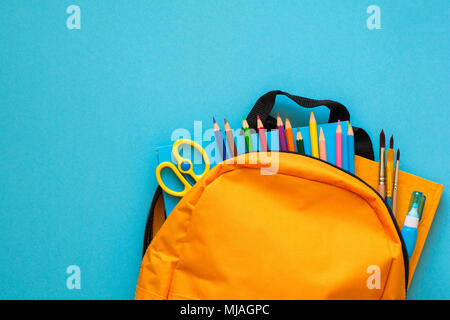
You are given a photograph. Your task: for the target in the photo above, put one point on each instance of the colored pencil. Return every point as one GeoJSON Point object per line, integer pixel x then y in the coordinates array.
{"type": "Point", "coordinates": [219, 140]}
{"type": "Point", "coordinates": [390, 158]}
{"type": "Point", "coordinates": [351, 149]}
{"type": "Point", "coordinates": [339, 145]}
{"type": "Point", "coordinates": [322, 146]}
{"type": "Point", "coordinates": [289, 136]}
{"type": "Point", "coordinates": [281, 133]}
{"type": "Point", "coordinates": [313, 134]}
{"type": "Point", "coordinates": [395, 191]}
{"type": "Point", "coordinates": [300, 144]}
{"type": "Point", "coordinates": [381, 165]}
{"type": "Point", "coordinates": [230, 139]}
{"type": "Point", "coordinates": [262, 135]}
{"type": "Point", "coordinates": [247, 137]}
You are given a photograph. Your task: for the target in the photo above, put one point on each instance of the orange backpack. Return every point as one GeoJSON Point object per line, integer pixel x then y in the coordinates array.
{"type": "Point", "coordinates": [308, 230]}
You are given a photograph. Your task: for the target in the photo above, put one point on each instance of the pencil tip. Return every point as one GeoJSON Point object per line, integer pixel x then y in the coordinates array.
{"type": "Point", "coordinates": [257, 116]}
{"type": "Point", "coordinates": [350, 130]}
{"type": "Point", "coordinates": [279, 121]}
{"type": "Point", "coordinates": [391, 142]}
{"type": "Point", "coordinates": [311, 117]}
{"type": "Point", "coordinates": [214, 120]}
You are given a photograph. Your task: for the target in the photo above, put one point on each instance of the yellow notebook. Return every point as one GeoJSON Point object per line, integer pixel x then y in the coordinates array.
{"type": "Point", "coordinates": [407, 183]}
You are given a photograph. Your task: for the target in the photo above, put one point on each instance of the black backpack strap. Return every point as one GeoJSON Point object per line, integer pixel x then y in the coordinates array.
{"type": "Point", "coordinates": [264, 105]}
{"type": "Point", "coordinates": [363, 144]}
{"type": "Point", "coordinates": [155, 219]}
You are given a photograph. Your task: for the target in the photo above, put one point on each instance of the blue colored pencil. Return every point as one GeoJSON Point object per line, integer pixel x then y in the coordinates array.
{"type": "Point", "coordinates": [351, 149]}
{"type": "Point", "coordinates": [219, 140]}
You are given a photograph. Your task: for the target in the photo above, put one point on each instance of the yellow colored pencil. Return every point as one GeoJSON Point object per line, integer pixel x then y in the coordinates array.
{"type": "Point", "coordinates": [313, 134]}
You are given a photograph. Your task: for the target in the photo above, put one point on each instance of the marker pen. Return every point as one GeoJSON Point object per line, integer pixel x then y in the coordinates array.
{"type": "Point", "coordinates": [409, 230]}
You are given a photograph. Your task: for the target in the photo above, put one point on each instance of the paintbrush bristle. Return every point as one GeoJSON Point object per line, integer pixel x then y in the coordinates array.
{"type": "Point", "coordinates": [391, 142]}
{"type": "Point", "coordinates": [382, 139]}
{"type": "Point", "coordinates": [398, 154]}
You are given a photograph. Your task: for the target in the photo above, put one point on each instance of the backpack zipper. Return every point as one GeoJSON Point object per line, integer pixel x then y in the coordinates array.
{"type": "Point", "coordinates": [405, 254]}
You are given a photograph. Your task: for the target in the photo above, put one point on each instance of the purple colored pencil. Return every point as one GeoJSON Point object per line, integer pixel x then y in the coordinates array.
{"type": "Point", "coordinates": [281, 134]}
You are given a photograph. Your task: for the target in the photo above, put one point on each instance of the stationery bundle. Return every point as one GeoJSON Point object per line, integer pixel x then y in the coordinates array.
{"type": "Point", "coordinates": [283, 212]}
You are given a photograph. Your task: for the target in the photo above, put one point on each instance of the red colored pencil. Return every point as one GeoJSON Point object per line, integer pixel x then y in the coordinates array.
{"type": "Point", "coordinates": [262, 135]}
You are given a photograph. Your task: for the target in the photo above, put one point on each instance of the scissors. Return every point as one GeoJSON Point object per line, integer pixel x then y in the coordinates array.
{"type": "Point", "coordinates": [184, 166]}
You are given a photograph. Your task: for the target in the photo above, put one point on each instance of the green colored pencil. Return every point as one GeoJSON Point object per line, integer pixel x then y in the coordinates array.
{"type": "Point", "coordinates": [248, 138]}
{"type": "Point", "coordinates": [300, 145]}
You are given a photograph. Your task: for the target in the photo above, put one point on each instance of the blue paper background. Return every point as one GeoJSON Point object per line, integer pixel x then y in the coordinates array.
{"type": "Point", "coordinates": [81, 112]}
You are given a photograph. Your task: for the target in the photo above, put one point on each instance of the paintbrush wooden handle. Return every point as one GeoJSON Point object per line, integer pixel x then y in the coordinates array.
{"type": "Point", "coordinates": [382, 190]}
{"type": "Point", "coordinates": [394, 203]}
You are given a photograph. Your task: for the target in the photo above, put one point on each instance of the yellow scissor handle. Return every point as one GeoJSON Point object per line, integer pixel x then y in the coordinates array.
{"type": "Point", "coordinates": [185, 165]}
{"type": "Point", "coordinates": [167, 164]}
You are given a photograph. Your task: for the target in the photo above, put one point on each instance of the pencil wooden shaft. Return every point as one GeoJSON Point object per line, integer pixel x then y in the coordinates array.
{"type": "Point", "coordinates": [282, 138]}
{"type": "Point", "coordinates": [300, 147]}
{"type": "Point", "coordinates": [220, 144]}
{"type": "Point", "coordinates": [290, 139]}
{"type": "Point", "coordinates": [339, 149]}
{"type": "Point", "coordinates": [314, 142]}
{"type": "Point", "coordinates": [231, 144]}
{"type": "Point", "coordinates": [248, 140]}
{"type": "Point", "coordinates": [263, 139]}
{"type": "Point", "coordinates": [351, 153]}
{"type": "Point", "coordinates": [322, 147]}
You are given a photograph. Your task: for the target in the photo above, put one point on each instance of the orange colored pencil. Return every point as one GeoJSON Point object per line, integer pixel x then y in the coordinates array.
{"type": "Point", "coordinates": [289, 136]}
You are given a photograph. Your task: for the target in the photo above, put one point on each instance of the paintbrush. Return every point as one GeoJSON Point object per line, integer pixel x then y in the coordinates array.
{"type": "Point", "coordinates": [390, 159]}
{"type": "Point", "coordinates": [395, 191]}
{"type": "Point", "coordinates": [381, 185]}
